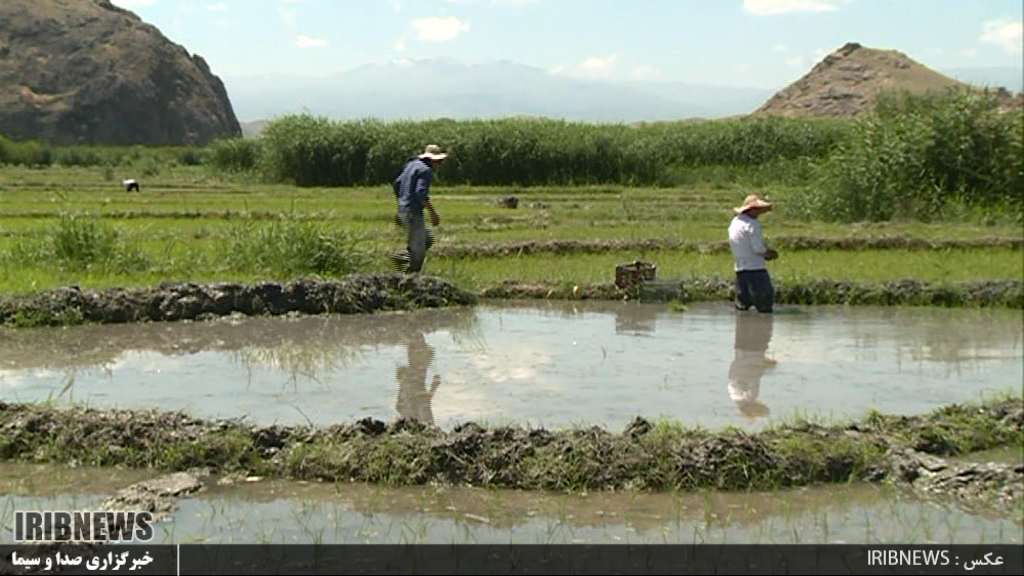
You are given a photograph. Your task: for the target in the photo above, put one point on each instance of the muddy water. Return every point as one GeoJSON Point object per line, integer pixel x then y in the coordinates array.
{"type": "Point", "coordinates": [550, 364]}
{"type": "Point", "coordinates": [291, 512]}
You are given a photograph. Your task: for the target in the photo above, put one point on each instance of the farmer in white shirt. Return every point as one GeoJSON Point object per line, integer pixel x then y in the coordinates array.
{"type": "Point", "coordinates": [753, 284]}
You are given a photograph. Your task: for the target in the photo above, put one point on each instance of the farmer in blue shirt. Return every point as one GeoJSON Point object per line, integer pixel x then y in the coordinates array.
{"type": "Point", "coordinates": [412, 191]}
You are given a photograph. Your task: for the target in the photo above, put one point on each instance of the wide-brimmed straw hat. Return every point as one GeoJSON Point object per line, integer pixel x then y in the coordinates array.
{"type": "Point", "coordinates": [434, 152]}
{"type": "Point", "coordinates": [753, 201]}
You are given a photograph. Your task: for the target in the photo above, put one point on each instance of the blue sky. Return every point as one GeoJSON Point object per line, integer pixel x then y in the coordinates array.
{"type": "Point", "coordinates": [755, 43]}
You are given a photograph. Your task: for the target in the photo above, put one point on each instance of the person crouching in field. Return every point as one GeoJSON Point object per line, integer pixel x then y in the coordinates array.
{"type": "Point", "coordinates": [412, 192]}
{"type": "Point", "coordinates": [753, 283]}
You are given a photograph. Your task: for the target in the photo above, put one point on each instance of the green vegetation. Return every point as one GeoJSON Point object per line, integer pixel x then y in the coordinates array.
{"type": "Point", "coordinates": [290, 247]}
{"type": "Point", "coordinates": [310, 151]}
{"type": "Point", "coordinates": [927, 191]}
{"type": "Point", "coordinates": [76, 243]}
{"type": "Point", "coordinates": [661, 457]}
{"type": "Point", "coordinates": [924, 157]}
{"type": "Point", "coordinates": [919, 155]}
{"type": "Point", "coordinates": [37, 154]}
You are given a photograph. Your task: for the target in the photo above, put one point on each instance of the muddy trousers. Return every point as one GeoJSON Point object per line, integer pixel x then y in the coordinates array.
{"type": "Point", "coordinates": [418, 241]}
{"type": "Point", "coordinates": [754, 288]}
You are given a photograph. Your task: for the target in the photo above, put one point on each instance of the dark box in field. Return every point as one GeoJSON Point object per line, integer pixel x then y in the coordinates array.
{"type": "Point", "coordinates": [634, 274]}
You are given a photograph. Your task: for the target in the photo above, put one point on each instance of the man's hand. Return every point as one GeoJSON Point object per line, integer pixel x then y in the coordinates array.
{"type": "Point", "coordinates": [434, 218]}
{"type": "Point", "coordinates": [771, 254]}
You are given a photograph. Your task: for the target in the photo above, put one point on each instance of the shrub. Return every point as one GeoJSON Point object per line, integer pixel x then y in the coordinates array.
{"type": "Point", "coordinates": [918, 155]}
{"type": "Point", "coordinates": [311, 151]}
{"type": "Point", "coordinates": [290, 246]}
{"type": "Point", "coordinates": [78, 242]}
{"type": "Point", "coordinates": [234, 154]}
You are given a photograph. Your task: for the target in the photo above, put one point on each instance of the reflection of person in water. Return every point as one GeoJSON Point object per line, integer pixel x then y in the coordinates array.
{"type": "Point", "coordinates": [414, 400]}
{"type": "Point", "coordinates": [753, 334]}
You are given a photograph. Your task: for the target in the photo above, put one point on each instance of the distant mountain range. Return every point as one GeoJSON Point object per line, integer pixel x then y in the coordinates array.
{"type": "Point", "coordinates": [446, 88]}
{"type": "Point", "coordinates": [439, 88]}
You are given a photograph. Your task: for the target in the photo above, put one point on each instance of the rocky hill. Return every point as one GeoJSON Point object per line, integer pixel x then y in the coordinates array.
{"type": "Point", "coordinates": [86, 71]}
{"type": "Point", "coordinates": [848, 81]}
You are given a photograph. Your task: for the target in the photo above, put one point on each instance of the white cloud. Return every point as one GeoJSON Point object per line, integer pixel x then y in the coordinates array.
{"type": "Point", "coordinates": [402, 62]}
{"type": "Point", "coordinates": [217, 7]}
{"type": "Point", "coordinates": [303, 41]}
{"type": "Point", "coordinates": [289, 17]}
{"type": "Point", "coordinates": [766, 7]}
{"type": "Point", "coordinates": [599, 66]}
{"type": "Point", "coordinates": [557, 69]}
{"type": "Point", "coordinates": [131, 4]}
{"type": "Point", "coordinates": [400, 45]}
{"type": "Point", "coordinates": [437, 29]}
{"type": "Point", "coordinates": [806, 61]}
{"type": "Point", "coordinates": [226, 23]}
{"type": "Point", "coordinates": [1006, 33]}
{"type": "Point", "coordinates": [780, 48]}
{"type": "Point", "coordinates": [970, 52]}
{"type": "Point", "coordinates": [395, 5]}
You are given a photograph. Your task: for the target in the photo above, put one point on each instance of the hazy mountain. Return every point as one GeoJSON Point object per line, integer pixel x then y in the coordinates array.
{"type": "Point", "coordinates": [1008, 77]}
{"type": "Point", "coordinates": [722, 100]}
{"type": "Point", "coordinates": [435, 88]}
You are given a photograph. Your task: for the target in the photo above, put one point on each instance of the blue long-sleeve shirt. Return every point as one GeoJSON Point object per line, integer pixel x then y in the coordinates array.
{"type": "Point", "coordinates": [412, 187]}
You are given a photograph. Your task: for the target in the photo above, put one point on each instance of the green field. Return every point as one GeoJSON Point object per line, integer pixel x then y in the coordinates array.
{"type": "Point", "coordinates": [180, 228]}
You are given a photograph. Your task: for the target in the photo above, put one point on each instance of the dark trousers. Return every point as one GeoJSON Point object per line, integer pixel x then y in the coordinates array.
{"type": "Point", "coordinates": [418, 241]}
{"type": "Point", "coordinates": [754, 288]}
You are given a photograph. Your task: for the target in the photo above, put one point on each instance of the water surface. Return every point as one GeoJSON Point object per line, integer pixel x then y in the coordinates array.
{"type": "Point", "coordinates": [551, 364]}
{"type": "Point", "coordinates": [309, 512]}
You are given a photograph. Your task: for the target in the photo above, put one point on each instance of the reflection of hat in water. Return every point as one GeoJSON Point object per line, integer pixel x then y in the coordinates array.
{"type": "Point", "coordinates": [753, 201]}
{"type": "Point", "coordinates": [744, 389]}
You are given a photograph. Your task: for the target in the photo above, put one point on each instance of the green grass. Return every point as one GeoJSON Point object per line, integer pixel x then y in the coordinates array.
{"type": "Point", "coordinates": [186, 219]}
{"type": "Point", "coordinates": [667, 457]}
{"type": "Point", "coordinates": [866, 265]}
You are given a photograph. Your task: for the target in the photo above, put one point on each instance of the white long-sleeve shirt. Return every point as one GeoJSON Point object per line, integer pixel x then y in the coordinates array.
{"type": "Point", "coordinates": [747, 243]}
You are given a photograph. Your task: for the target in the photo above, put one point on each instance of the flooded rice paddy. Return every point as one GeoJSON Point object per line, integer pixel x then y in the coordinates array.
{"type": "Point", "coordinates": [299, 512]}
{"type": "Point", "coordinates": [551, 364]}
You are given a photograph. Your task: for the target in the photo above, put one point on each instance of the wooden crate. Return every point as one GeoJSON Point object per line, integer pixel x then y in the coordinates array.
{"type": "Point", "coordinates": [634, 274]}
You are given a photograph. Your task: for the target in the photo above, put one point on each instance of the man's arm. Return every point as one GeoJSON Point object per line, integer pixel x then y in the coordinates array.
{"type": "Point", "coordinates": [423, 191]}
{"type": "Point", "coordinates": [759, 246]}
{"type": "Point", "coordinates": [434, 218]}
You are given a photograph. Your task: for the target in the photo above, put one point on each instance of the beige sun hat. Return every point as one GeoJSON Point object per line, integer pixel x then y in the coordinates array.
{"type": "Point", "coordinates": [434, 152]}
{"type": "Point", "coordinates": [753, 201]}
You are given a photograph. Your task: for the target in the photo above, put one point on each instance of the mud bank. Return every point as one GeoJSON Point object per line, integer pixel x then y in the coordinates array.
{"type": "Point", "coordinates": [645, 456]}
{"type": "Point", "coordinates": [978, 486]}
{"type": "Point", "coordinates": [186, 301]}
{"type": "Point", "coordinates": [993, 293]}
{"type": "Point", "coordinates": [788, 243]}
